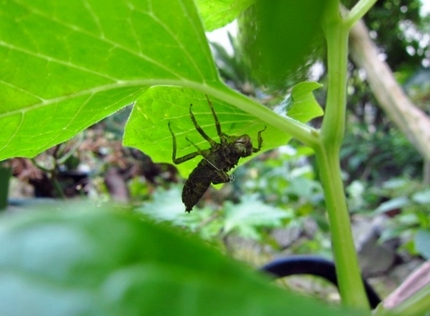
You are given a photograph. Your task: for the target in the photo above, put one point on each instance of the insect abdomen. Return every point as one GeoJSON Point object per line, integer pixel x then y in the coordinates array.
{"type": "Point", "coordinates": [196, 185]}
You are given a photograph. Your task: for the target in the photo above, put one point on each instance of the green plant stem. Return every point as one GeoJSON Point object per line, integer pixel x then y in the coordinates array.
{"type": "Point", "coordinates": [348, 272]}
{"type": "Point", "coordinates": [358, 11]}
{"type": "Point", "coordinates": [327, 154]}
{"type": "Point", "coordinates": [303, 132]}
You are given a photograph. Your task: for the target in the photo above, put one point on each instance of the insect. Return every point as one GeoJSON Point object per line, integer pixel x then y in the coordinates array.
{"type": "Point", "coordinates": [217, 160]}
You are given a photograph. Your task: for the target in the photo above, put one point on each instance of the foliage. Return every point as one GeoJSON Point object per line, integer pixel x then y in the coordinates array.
{"type": "Point", "coordinates": [375, 153]}
{"type": "Point", "coordinates": [374, 149]}
{"type": "Point", "coordinates": [243, 218]}
{"type": "Point", "coordinates": [390, 34]}
{"type": "Point", "coordinates": [253, 209]}
{"type": "Point", "coordinates": [411, 201]}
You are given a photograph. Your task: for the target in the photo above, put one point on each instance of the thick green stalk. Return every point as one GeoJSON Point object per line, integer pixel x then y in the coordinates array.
{"type": "Point", "coordinates": [347, 269]}
{"type": "Point", "coordinates": [327, 153]}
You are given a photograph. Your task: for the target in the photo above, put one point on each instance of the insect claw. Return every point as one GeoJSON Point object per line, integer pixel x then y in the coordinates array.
{"type": "Point", "coordinates": [232, 178]}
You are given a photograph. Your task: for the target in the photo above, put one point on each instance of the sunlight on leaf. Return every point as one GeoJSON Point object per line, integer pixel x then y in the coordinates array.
{"type": "Point", "coordinates": [217, 13]}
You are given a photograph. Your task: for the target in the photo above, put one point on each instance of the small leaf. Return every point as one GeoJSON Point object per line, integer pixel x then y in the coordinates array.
{"type": "Point", "coordinates": [392, 204]}
{"type": "Point", "coordinates": [301, 103]}
{"type": "Point", "coordinates": [250, 214]}
{"type": "Point", "coordinates": [165, 206]}
{"type": "Point", "coordinates": [422, 197]}
{"type": "Point", "coordinates": [422, 242]}
{"type": "Point", "coordinates": [217, 13]}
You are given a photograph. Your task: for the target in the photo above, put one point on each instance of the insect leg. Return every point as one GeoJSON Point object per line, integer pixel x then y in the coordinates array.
{"type": "Point", "coordinates": [181, 159]}
{"type": "Point", "coordinates": [260, 140]}
{"type": "Point", "coordinates": [200, 130]}
{"type": "Point", "coordinates": [217, 124]}
{"type": "Point", "coordinates": [200, 152]}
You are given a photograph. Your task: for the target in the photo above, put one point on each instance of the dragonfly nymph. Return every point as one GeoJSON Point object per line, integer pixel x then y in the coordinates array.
{"type": "Point", "coordinates": [219, 159]}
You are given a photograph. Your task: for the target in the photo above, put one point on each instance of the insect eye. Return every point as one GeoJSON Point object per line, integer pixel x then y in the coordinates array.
{"type": "Point", "coordinates": [243, 146]}
{"type": "Point", "coordinates": [244, 139]}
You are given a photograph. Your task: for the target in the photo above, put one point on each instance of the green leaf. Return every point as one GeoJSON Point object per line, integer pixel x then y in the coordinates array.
{"type": "Point", "coordinates": [422, 242]}
{"type": "Point", "coordinates": [396, 203]}
{"type": "Point", "coordinates": [112, 263]}
{"type": "Point", "coordinates": [217, 13]}
{"type": "Point", "coordinates": [280, 38]}
{"type": "Point", "coordinates": [165, 207]}
{"type": "Point", "coordinates": [422, 197]}
{"type": "Point", "coordinates": [250, 214]}
{"type": "Point", "coordinates": [68, 64]}
{"type": "Point", "coordinates": [148, 131]}
{"type": "Point", "coordinates": [147, 128]}
{"type": "Point", "coordinates": [301, 103]}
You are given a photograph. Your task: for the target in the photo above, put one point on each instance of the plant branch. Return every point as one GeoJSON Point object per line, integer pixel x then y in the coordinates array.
{"type": "Point", "coordinates": [411, 120]}
{"type": "Point", "coordinates": [358, 11]}
{"type": "Point", "coordinates": [304, 133]}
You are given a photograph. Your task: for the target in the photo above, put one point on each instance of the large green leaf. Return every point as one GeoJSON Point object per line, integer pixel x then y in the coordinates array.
{"type": "Point", "coordinates": [111, 263]}
{"type": "Point", "coordinates": [67, 64]}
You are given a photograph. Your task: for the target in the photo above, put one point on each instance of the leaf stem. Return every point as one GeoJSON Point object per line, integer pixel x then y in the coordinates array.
{"type": "Point", "coordinates": [304, 133]}
{"type": "Point", "coordinates": [358, 11]}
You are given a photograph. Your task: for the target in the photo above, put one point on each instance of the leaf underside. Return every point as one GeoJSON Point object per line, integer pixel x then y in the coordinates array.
{"type": "Point", "coordinates": [66, 65]}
